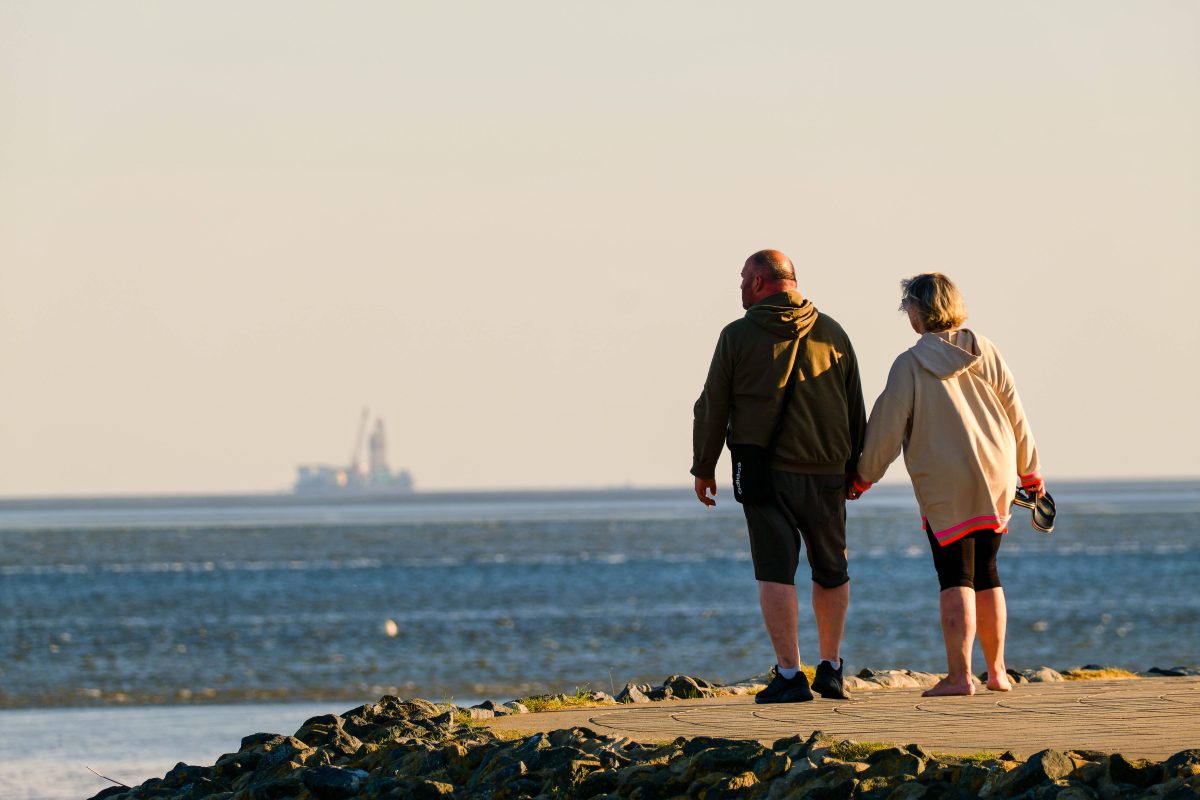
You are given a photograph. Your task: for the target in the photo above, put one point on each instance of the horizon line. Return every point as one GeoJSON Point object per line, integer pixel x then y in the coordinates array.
{"type": "Point", "coordinates": [288, 494]}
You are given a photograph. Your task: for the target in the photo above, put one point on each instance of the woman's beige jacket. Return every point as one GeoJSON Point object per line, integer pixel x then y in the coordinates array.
{"type": "Point", "coordinates": [952, 405]}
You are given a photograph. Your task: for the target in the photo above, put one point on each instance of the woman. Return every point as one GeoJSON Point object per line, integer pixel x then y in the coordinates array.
{"type": "Point", "coordinates": [951, 404]}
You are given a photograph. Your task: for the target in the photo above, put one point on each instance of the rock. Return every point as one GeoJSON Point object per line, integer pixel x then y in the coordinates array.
{"type": "Point", "coordinates": [834, 781]}
{"type": "Point", "coordinates": [1135, 773]}
{"type": "Point", "coordinates": [755, 683]}
{"type": "Point", "coordinates": [888, 678]}
{"type": "Point", "coordinates": [730, 787]}
{"type": "Point", "coordinates": [1183, 764]}
{"type": "Point", "coordinates": [271, 789]}
{"type": "Point", "coordinates": [656, 756]}
{"type": "Point", "coordinates": [632, 694]}
{"type": "Point", "coordinates": [643, 779]}
{"type": "Point", "coordinates": [880, 787]}
{"type": "Point", "coordinates": [1090, 773]}
{"type": "Point", "coordinates": [771, 766]}
{"type": "Point", "coordinates": [925, 679]}
{"type": "Point", "coordinates": [702, 786]}
{"type": "Point", "coordinates": [893, 762]}
{"type": "Point", "coordinates": [799, 745]}
{"type": "Point", "coordinates": [112, 791]}
{"type": "Point", "coordinates": [919, 752]}
{"type": "Point", "coordinates": [494, 707]}
{"type": "Point", "coordinates": [1180, 789]}
{"type": "Point", "coordinates": [391, 717]}
{"type": "Point", "coordinates": [413, 789]}
{"type": "Point", "coordinates": [333, 783]}
{"type": "Point", "coordinates": [1171, 672]}
{"type": "Point", "coordinates": [233, 765]}
{"type": "Point", "coordinates": [855, 683]}
{"type": "Point", "coordinates": [263, 741]}
{"type": "Point", "coordinates": [529, 748]}
{"type": "Point", "coordinates": [898, 678]}
{"type": "Point", "coordinates": [404, 752]}
{"type": "Point", "coordinates": [598, 783]}
{"type": "Point", "coordinates": [600, 697]}
{"type": "Point", "coordinates": [1048, 765]}
{"type": "Point", "coordinates": [551, 759]}
{"type": "Point", "coordinates": [182, 775]}
{"type": "Point", "coordinates": [516, 707]}
{"type": "Point", "coordinates": [660, 694]}
{"type": "Point", "coordinates": [687, 688]}
{"type": "Point", "coordinates": [573, 737]}
{"type": "Point", "coordinates": [910, 791]}
{"type": "Point", "coordinates": [327, 732]}
{"type": "Point", "coordinates": [731, 757]}
{"type": "Point", "coordinates": [1042, 675]}
{"type": "Point", "coordinates": [698, 744]}
{"type": "Point", "coordinates": [475, 712]}
{"type": "Point", "coordinates": [971, 778]}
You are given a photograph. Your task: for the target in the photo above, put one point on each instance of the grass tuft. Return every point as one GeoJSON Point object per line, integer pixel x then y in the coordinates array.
{"type": "Point", "coordinates": [847, 750]}
{"type": "Point", "coordinates": [968, 758]}
{"type": "Point", "coordinates": [1097, 674]}
{"type": "Point", "coordinates": [558, 702]}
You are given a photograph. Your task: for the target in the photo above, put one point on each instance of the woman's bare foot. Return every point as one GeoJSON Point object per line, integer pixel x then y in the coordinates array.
{"type": "Point", "coordinates": [948, 688]}
{"type": "Point", "coordinates": [999, 682]}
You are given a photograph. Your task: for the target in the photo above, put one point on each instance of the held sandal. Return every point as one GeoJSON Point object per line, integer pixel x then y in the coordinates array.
{"type": "Point", "coordinates": [1042, 507]}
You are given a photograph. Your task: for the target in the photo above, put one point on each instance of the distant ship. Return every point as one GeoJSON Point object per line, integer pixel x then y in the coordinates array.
{"type": "Point", "coordinates": [370, 476]}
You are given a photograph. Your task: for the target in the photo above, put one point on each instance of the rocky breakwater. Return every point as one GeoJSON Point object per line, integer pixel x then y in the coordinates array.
{"type": "Point", "coordinates": [396, 749]}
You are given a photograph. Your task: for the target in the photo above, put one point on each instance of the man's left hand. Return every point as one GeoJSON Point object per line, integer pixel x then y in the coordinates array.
{"type": "Point", "coordinates": [704, 488]}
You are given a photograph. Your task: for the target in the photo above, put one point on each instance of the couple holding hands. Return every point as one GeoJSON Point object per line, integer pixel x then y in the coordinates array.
{"type": "Point", "coordinates": [783, 391]}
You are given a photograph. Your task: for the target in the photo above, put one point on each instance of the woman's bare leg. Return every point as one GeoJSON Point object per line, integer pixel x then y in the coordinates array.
{"type": "Point", "coordinates": [958, 630]}
{"type": "Point", "coordinates": [992, 616]}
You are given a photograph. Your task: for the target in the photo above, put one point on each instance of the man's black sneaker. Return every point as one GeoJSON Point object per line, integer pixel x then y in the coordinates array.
{"type": "Point", "coordinates": [786, 690]}
{"type": "Point", "coordinates": [828, 682]}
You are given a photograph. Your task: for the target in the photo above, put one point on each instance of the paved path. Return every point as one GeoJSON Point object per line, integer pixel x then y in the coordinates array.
{"type": "Point", "coordinates": [1142, 718]}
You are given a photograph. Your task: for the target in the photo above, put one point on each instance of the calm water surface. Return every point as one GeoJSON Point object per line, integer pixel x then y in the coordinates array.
{"type": "Point", "coordinates": [461, 596]}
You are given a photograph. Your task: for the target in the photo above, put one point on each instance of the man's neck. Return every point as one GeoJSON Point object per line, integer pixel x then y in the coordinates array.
{"type": "Point", "coordinates": [777, 287]}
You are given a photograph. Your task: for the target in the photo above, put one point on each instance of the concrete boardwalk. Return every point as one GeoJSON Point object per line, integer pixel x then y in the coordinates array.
{"type": "Point", "coordinates": [1140, 718]}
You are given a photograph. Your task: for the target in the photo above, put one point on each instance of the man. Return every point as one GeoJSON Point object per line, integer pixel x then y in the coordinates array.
{"type": "Point", "coordinates": [821, 437]}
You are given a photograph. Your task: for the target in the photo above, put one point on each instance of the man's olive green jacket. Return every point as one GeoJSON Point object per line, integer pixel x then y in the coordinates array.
{"type": "Point", "coordinates": [825, 421]}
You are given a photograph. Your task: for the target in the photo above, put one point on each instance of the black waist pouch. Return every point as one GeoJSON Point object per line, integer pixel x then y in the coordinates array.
{"type": "Point", "coordinates": [751, 474]}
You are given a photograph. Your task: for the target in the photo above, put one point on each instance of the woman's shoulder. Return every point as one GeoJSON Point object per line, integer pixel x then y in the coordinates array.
{"type": "Point", "coordinates": [906, 361]}
{"type": "Point", "coordinates": [987, 348]}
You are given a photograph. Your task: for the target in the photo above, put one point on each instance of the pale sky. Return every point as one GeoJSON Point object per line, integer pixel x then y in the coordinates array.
{"type": "Point", "coordinates": [515, 229]}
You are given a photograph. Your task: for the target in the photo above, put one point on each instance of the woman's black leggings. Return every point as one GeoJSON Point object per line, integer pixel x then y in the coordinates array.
{"type": "Point", "coordinates": [970, 562]}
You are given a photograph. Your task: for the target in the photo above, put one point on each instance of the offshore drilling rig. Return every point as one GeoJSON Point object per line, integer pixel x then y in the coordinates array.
{"type": "Point", "coordinates": [371, 475]}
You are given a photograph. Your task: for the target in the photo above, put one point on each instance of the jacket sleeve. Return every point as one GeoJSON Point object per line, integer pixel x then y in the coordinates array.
{"type": "Point", "coordinates": [890, 422]}
{"type": "Point", "coordinates": [711, 413]}
{"type": "Point", "coordinates": [1028, 467]}
{"type": "Point", "coordinates": [856, 411]}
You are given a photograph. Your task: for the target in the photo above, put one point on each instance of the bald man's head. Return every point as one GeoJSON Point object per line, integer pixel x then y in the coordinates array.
{"type": "Point", "coordinates": [767, 272]}
{"type": "Point", "coordinates": [772, 265]}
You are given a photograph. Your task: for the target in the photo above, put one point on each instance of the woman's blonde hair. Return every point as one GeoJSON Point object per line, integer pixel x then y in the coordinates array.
{"type": "Point", "coordinates": [939, 305]}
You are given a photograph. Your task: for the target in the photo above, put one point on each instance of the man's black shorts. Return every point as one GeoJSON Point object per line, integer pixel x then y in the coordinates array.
{"type": "Point", "coordinates": [808, 506]}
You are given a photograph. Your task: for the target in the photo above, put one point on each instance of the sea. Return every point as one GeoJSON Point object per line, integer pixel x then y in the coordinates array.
{"type": "Point", "coordinates": [138, 633]}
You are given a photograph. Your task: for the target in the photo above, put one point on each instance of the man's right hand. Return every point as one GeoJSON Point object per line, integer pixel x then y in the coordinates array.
{"type": "Point", "coordinates": [704, 488]}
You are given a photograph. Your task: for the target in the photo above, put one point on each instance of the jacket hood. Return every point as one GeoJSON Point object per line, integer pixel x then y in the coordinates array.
{"type": "Point", "coordinates": [947, 354]}
{"type": "Point", "coordinates": [788, 315]}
